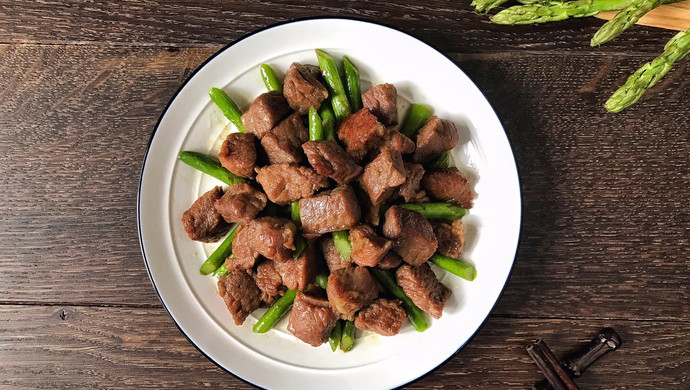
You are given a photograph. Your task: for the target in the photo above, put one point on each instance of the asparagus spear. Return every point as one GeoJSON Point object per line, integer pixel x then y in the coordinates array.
{"type": "Point", "coordinates": [626, 18]}
{"type": "Point", "coordinates": [228, 107]}
{"type": "Point", "coordinates": [275, 312]}
{"type": "Point", "coordinates": [315, 125]}
{"type": "Point", "coordinates": [486, 5]}
{"type": "Point", "coordinates": [209, 166]}
{"type": "Point", "coordinates": [455, 266]}
{"type": "Point", "coordinates": [650, 73]}
{"type": "Point", "coordinates": [270, 78]}
{"type": "Point", "coordinates": [553, 11]}
{"type": "Point", "coordinates": [347, 340]}
{"type": "Point", "coordinates": [437, 210]}
{"type": "Point", "coordinates": [221, 253]}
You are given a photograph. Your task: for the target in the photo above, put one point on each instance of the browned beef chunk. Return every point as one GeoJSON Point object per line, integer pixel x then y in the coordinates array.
{"type": "Point", "coordinates": [311, 319]}
{"type": "Point", "coordinates": [238, 154]}
{"type": "Point", "coordinates": [410, 189]}
{"type": "Point", "coordinates": [382, 101]}
{"type": "Point", "coordinates": [241, 203]}
{"type": "Point", "coordinates": [451, 238]}
{"type": "Point", "coordinates": [448, 185]}
{"type": "Point", "coordinates": [268, 280]}
{"type": "Point", "coordinates": [383, 316]}
{"type": "Point", "coordinates": [240, 293]}
{"type": "Point", "coordinates": [202, 222]}
{"type": "Point", "coordinates": [421, 285]}
{"type": "Point", "coordinates": [297, 273]}
{"type": "Point", "coordinates": [368, 248]}
{"type": "Point", "coordinates": [435, 137]}
{"type": "Point", "coordinates": [270, 237]}
{"type": "Point", "coordinates": [329, 159]}
{"type": "Point", "coordinates": [350, 289]}
{"type": "Point", "coordinates": [302, 87]}
{"type": "Point", "coordinates": [333, 258]}
{"type": "Point", "coordinates": [412, 235]}
{"type": "Point", "coordinates": [383, 175]}
{"type": "Point", "coordinates": [284, 183]}
{"type": "Point", "coordinates": [360, 132]}
{"type": "Point", "coordinates": [390, 260]}
{"type": "Point", "coordinates": [265, 113]}
{"type": "Point", "coordinates": [283, 144]}
{"type": "Point", "coordinates": [329, 211]}
{"type": "Point", "coordinates": [397, 141]}
{"type": "Point", "coordinates": [371, 212]}
{"type": "Point", "coordinates": [244, 262]}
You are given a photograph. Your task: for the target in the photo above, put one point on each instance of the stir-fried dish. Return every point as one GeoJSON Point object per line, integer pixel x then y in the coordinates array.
{"type": "Point", "coordinates": [337, 207]}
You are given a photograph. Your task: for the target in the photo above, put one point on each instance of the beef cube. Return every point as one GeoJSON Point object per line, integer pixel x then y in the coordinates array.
{"type": "Point", "coordinates": [448, 185]}
{"type": "Point", "coordinates": [284, 183]}
{"type": "Point", "coordinates": [241, 262]}
{"type": "Point", "coordinates": [240, 293]}
{"type": "Point", "coordinates": [383, 316]}
{"type": "Point", "coordinates": [371, 212]}
{"type": "Point", "coordinates": [360, 132]}
{"type": "Point", "coordinates": [435, 137]}
{"type": "Point", "coordinates": [238, 154]}
{"type": "Point", "coordinates": [382, 101]}
{"type": "Point", "coordinates": [383, 175]}
{"type": "Point", "coordinates": [329, 159]}
{"type": "Point", "coordinates": [265, 113]}
{"type": "Point", "coordinates": [350, 289]}
{"type": "Point", "coordinates": [450, 237]}
{"type": "Point", "coordinates": [390, 260]}
{"type": "Point", "coordinates": [241, 203]}
{"type": "Point", "coordinates": [397, 141]}
{"type": "Point", "coordinates": [412, 235]}
{"type": "Point", "coordinates": [270, 237]}
{"type": "Point", "coordinates": [202, 221]}
{"type": "Point", "coordinates": [311, 319]}
{"type": "Point", "coordinates": [333, 258]}
{"type": "Point", "coordinates": [302, 87]}
{"type": "Point", "coordinates": [368, 248]}
{"type": "Point", "coordinates": [268, 280]}
{"type": "Point", "coordinates": [297, 273]}
{"type": "Point", "coordinates": [421, 285]}
{"type": "Point", "coordinates": [410, 189]}
{"type": "Point", "coordinates": [283, 144]}
{"type": "Point", "coordinates": [329, 211]}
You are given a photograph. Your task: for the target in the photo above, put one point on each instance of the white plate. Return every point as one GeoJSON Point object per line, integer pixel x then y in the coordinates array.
{"type": "Point", "coordinates": [168, 187]}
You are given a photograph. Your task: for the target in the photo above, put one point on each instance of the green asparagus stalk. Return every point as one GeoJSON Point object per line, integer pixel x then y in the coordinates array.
{"type": "Point", "coordinates": [275, 312]}
{"type": "Point", "coordinates": [455, 266]}
{"type": "Point", "coordinates": [228, 107]}
{"type": "Point", "coordinates": [327, 121]}
{"type": "Point", "coordinates": [626, 18]}
{"type": "Point", "coordinates": [347, 341]}
{"type": "Point", "coordinates": [352, 86]}
{"type": "Point", "coordinates": [416, 117]}
{"type": "Point", "coordinates": [221, 253]}
{"type": "Point", "coordinates": [553, 11]}
{"type": "Point", "coordinates": [315, 125]}
{"type": "Point", "coordinates": [221, 271]}
{"type": "Point", "coordinates": [336, 88]}
{"type": "Point", "coordinates": [486, 5]}
{"type": "Point", "coordinates": [414, 314]}
{"type": "Point", "coordinates": [650, 73]}
{"type": "Point", "coordinates": [436, 210]}
{"type": "Point", "coordinates": [341, 241]}
{"type": "Point", "coordinates": [209, 166]}
{"type": "Point", "coordinates": [270, 78]}
{"type": "Point", "coordinates": [442, 161]}
{"type": "Point", "coordinates": [336, 334]}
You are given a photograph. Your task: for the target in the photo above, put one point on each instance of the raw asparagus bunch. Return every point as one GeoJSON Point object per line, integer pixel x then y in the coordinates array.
{"type": "Point", "coordinates": [650, 73]}
{"type": "Point", "coordinates": [486, 5]}
{"type": "Point", "coordinates": [626, 18]}
{"type": "Point", "coordinates": [553, 11]}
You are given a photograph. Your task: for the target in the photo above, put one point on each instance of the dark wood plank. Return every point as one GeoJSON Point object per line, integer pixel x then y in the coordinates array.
{"type": "Point", "coordinates": [120, 348]}
{"type": "Point", "coordinates": [605, 217]}
{"type": "Point", "coordinates": [448, 25]}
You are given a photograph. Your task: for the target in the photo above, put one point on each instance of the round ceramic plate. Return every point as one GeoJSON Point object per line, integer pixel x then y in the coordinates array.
{"type": "Point", "coordinates": [168, 187]}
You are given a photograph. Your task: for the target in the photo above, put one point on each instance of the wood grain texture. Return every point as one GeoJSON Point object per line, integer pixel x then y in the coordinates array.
{"type": "Point", "coordinates": [605, 227]}
{"type": "Point", "coordinates": [449, 25]}
{"type": "Point", "coordinates": [121, 348]}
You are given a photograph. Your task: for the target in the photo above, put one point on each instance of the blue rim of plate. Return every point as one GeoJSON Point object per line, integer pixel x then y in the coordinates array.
{"type": "Point", "coordinates": [165, 110]}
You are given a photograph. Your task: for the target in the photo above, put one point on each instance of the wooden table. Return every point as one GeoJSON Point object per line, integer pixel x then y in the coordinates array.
{"type": "Point", "coordinates": [605, 232]}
